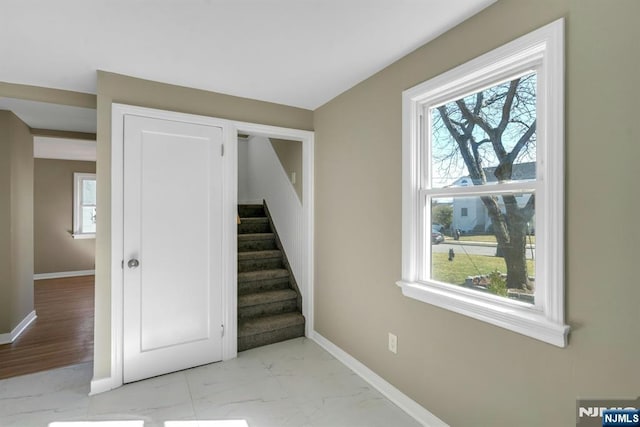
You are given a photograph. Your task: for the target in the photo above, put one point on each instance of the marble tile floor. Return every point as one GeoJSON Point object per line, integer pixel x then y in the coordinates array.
{"type": "Point", "coordinates": [290, 384]}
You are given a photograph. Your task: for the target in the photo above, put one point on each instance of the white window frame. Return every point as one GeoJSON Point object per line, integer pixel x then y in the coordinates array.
{"type": "Point", "coordinates": [542, 50]}
{"type": "Point", "coordinates": [78, 179]}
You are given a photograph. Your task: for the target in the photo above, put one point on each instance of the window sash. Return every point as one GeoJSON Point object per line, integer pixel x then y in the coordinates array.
{"type": "Point", "coordinates": [424, 250]}
{"type": "Point", "coordinates": [484, 190]}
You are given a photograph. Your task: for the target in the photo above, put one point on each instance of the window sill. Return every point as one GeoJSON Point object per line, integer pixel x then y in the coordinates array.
{"type": "Point", "coordinates": [511, 316]}
{"type": "Point", "coordinates": [84, 236]}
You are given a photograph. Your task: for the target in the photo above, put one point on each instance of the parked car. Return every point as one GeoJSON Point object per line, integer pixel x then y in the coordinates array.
{"type": "Point", "coordinates": [437, 227]}
{"type": "Point", "coordinates": [436, 236]}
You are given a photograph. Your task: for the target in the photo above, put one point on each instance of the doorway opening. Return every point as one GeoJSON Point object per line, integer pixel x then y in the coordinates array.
{"type": "Point", "coordinates": [59, 284]}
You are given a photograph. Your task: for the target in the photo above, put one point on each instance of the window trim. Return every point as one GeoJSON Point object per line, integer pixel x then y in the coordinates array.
{"type": "Point", "coordinates": [78, 178]}
{"type": "Point", "coordinates": [542, 49]}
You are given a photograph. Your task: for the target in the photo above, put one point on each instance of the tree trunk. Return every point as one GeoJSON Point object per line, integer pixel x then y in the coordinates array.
{"type": "Point", "coordinates": [516, 260]}
{"type": "Point", "coordinates": [515, 254]}
{"type": "Point", "coordinates": [511, 237]}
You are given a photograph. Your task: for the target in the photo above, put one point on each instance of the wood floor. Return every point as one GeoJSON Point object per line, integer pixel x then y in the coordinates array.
{"type": "Point", "coordinates": [62, 334]}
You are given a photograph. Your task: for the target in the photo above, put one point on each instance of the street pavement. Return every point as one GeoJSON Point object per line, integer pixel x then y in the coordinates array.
{"type": "Point", "coordinates": [471, 248]}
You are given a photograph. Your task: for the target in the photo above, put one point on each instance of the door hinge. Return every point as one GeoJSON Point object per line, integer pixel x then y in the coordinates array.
{"type": "Point", "coordinates": [222, 330]}
{"type": "Point", "coordinates": [222, 150]}
{"type": "Point", "coordinates": [122, 264]}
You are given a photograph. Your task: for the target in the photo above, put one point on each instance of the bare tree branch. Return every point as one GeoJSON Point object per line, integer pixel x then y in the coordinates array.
{"type": "Point", "coordinates": [474, 171]}
{"type": "Point", "coordinates": [477, 119]}
{"type": "Point", "coordinates": [506, 108]}
{"type": "Point", "coordinates": [505, 167]}
{"type": "Point", "coordinates": [478, 107]}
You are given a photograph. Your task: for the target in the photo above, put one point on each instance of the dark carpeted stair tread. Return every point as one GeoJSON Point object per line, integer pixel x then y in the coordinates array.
{"type": "Point", "coordinates": [259, 325]}
{"type": "Point", "coordinates": [252, 276]}
{"type": "Point", "coordinates": [270, 337]}
{"type": "Point", "coordinates": [256, 236]}
{"type": "Point", "coordinates": [266, 297]}
{"type": "Point", "coordinates": [254, 220]}
{"type": "Point", "coordinates": [249, 255]}
{"type": "Point", "coordinates": [250, 242]}
{"type": "Point", "coordinates": [254, 225]}
{"type": "Point", "coordinates": [250, 210]}
{"type": "Point", "coordinates": [267, 303]}
{"type": "Point", "coordinates": [263, 285]}
{"type": "Point", "coordinates": [259, 260]}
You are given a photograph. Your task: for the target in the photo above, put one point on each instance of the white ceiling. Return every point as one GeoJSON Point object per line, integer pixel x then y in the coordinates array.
{"type": "Point", "coordinates": [295, 52]}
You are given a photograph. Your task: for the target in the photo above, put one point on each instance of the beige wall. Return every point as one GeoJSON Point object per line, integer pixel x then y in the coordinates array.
{"type": "Point", "coordinates": [290, 155]}
{"type": "Point", "coordinates": [465, 371]}
{"type": "Point", "coordinates": [55, 250]}
{"type": "Point", "coordinates": [16, 221]}
{"type": "Point", "coordinates": [5, 222]}
{"type": "Point", "coordinates": [128, 90]}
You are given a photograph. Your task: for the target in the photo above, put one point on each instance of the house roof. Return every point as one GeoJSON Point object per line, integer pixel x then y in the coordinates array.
{"type": "Point", "coordinates": [520, 172]}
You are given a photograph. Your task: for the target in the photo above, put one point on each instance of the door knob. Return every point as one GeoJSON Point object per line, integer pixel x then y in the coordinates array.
{"type": "Point", "coordinates": [133, 263]}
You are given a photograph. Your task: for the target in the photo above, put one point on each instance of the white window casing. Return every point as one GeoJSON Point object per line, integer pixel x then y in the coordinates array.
{"type": "Point", "coordinates": [78, 203]}
{"type": "Point", "coordinates": [543, 52]}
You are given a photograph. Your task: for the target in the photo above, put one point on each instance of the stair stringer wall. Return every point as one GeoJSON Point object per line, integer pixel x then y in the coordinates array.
{"type": "Point", "coordinates": [267, 180]}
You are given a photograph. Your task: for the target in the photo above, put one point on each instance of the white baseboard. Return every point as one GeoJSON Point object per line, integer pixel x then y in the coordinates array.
{"type": "Point", "coordinates": [61, 274]}
{"type": "Point", "coordinates": [404, 402]}
{"type": "Point", "coordinates": [15, 333]}
{"type": "Point", "coordinates": [101, 385]}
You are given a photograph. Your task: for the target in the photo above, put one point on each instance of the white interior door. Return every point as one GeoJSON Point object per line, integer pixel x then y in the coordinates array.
{"type": "Point", "coordinates": [172, 296]}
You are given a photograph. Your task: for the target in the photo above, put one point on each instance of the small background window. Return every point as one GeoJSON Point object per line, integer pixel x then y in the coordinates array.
{"type": "Point", "coordinates": [84, 209]}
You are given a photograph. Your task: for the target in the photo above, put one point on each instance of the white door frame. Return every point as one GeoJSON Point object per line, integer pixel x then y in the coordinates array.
{"type": "Point", "coordinates": [229, 240]}
{"type": "Point", "coordinates": [229, 291]}
{"type": "Point", "coordinates": [305, 283]}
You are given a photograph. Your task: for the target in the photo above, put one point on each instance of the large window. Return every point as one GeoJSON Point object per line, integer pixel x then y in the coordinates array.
{"type": "Point", "coordinates": [484, 142]}
{"type": "Point", "coordinates": [84, 205]}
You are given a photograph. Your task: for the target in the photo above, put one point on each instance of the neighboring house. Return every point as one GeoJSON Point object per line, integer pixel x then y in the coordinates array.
{"type": "Point", "coordinates": [470, 214]}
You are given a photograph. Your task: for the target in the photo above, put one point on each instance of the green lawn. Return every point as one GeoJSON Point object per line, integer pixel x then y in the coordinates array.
{"type": "Point", "coordinates": [464, 265]}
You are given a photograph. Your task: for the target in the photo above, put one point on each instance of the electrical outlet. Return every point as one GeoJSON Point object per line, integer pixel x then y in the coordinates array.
{"type": "Point", "coordinates": [393, 343]}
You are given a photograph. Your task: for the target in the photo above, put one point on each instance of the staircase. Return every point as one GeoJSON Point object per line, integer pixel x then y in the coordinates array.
{"type": "Point", "coordinates": [269, 306]}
